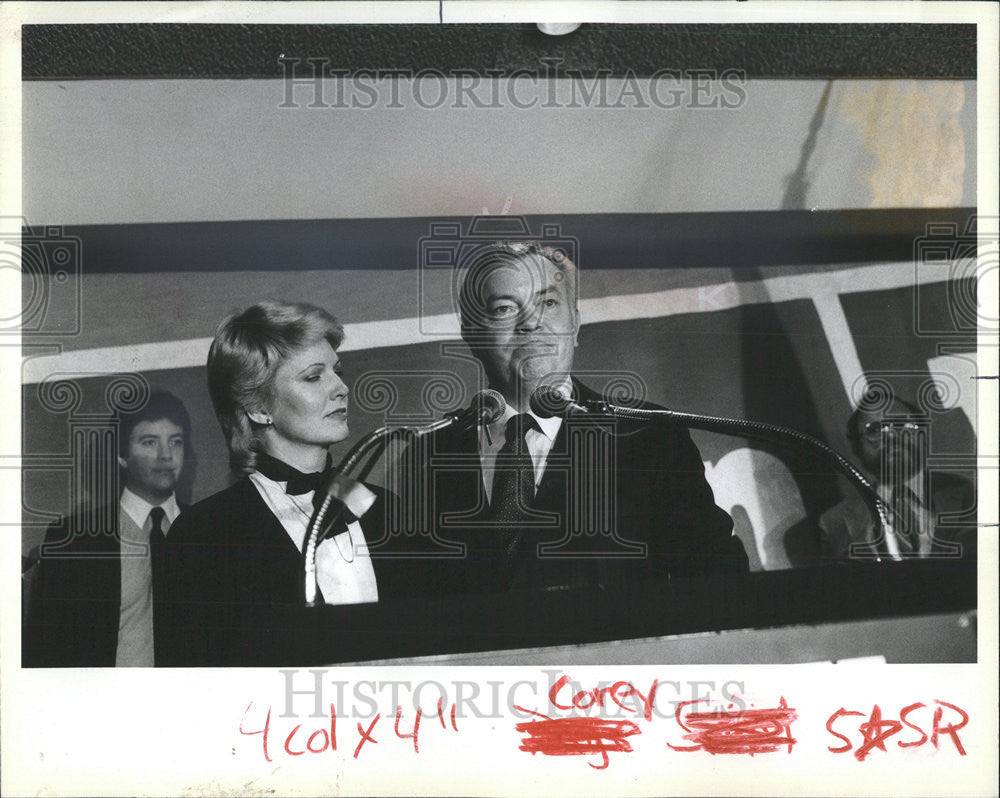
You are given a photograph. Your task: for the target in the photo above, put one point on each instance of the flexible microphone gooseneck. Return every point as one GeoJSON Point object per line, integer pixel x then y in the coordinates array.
{"type": "Point", "coordinates": [345, 485]}
{"type": "Point", "coordinates": [546, 402]}
{"type": "Point", "coordinates": [486, 407]}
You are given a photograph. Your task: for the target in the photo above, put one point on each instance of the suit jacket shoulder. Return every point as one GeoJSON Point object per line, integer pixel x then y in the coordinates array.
{"type": "Point", "coordinates": [214, 515]}
{"type": "Point", "coordinates": [954, 501]}
{"type": "Point", "coordinates": [75, 602]}
{"type": "Point", "coordinates": [663, 485]}
{"type": "Point", "coordinates": [212, 544]}
{"type": "Point", "coordinates": [951, 492]}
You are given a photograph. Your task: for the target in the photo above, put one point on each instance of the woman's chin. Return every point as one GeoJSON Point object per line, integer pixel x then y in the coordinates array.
{"type": "Point", "coordinates": [339, 430]}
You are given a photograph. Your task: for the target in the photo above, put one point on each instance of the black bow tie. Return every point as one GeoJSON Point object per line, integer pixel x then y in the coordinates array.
{"type": "Point", "coordinates": [297, 483]}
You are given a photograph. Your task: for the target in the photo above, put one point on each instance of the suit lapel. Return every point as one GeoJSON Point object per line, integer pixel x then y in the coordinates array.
{"type": "Point", "coordinates": [551, 493]}
{"type": "Point", "coordinates": [268, 532]}
{"type": "Point", "coordinates": [459, 488]}
{"type": "Point", "coordinates": [553, 485]}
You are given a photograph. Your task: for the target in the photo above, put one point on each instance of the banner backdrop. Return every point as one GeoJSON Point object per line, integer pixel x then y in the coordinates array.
{"type": "Point", "coordinates": [789, 331]}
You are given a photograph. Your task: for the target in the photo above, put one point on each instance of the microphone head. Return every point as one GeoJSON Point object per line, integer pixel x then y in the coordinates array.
{"type": "Point", "coordinates": [547, 402]}
{"type": "Point", "coordinates": [491, 405]}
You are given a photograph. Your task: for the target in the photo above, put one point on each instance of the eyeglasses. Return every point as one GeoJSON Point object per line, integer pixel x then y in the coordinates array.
{"type": "Point", "coordinates": [876, 429]}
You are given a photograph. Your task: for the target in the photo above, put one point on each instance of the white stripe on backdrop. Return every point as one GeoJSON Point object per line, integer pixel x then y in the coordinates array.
{"type": "Point", "coordinates": [822, 288]}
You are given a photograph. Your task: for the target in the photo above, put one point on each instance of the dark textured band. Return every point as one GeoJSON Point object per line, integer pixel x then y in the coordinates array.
{"type": "Point", "coordinates": [51, 52]}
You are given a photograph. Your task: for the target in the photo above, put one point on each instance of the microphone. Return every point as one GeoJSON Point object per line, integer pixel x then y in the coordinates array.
{"type": "Point", "coordinates": [486, 407]}
{"type": "Point", "coordinates": [547, 402]}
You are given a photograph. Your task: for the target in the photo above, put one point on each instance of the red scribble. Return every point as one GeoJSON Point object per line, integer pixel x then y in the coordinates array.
{"type": "Point", "coordinates": [746, 731]}
{"type": "Point", "coordinates": [576, 736]}
{"type": "Point", "coordinates": [263, 732]}
{"type": "Point", "coordinates": [366, 735]}
{"type": "Point", "coordinates": [441, 713]}
{"type": "Point", "coordinates": [454, 725]}
{"type": "Point", "coordinates": [412, 735]}
{"type": "Point", "coordinates": [875, 732]}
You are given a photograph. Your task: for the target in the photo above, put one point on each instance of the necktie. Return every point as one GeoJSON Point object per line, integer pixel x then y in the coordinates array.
{"type": "Point", "coordinates": [157, 567]}
{"type": "Point", "coordinates": [495, 563]}
{"type": "Point", "coordinates": [156, 536]}
{"type": "Point", "coordinates": [514, 474]}
{"type": "Point", "coordinates": [157, 540]}
{"type": "Point", "coordinates": [906, 520]}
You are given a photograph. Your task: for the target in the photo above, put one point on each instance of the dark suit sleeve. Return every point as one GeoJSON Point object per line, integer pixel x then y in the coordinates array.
{"type": "Point", "coordinates": [403, 567]}
{"type": "Point", "coordinates": [187, 618]}
{"type": "Point", "coordinates": [42, 633]}
{"type": "Point", "coordinates": [204, 620]}
{"type": "Point", "coordinates": [953, 505]}
{"type": "Point", "coordinates": [428, 571]}
{"type": "Point", "coordinates": [691, 534]}
{"type": "Point", "coordinates": [75, 604]}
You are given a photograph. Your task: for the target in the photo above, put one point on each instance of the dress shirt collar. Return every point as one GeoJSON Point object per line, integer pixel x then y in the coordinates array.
{"type": "Point", "coordinates": [548, 426]}
{"type": "Point", "coordinates": [138, 508]}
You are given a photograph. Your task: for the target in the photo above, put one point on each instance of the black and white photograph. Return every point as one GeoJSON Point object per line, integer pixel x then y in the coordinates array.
{"type": "Point", "coordinates": [485, 344]}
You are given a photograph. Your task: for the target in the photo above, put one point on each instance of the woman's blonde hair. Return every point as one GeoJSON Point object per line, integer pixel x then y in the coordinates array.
{"type": "Point", "coordinates": [243, 358]}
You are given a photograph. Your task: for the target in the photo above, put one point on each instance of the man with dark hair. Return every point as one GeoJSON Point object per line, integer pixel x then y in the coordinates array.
{"type": "Point", "coordinates": [93, 598]}
{"type": "Point", "coordinates": [891, 445]}
{"type": "Point", "coordinates": [546, 502]}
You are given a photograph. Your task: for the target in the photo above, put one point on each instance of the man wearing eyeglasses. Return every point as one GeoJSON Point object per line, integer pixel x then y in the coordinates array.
{"type": "Point", "coordinates": [932, 514]}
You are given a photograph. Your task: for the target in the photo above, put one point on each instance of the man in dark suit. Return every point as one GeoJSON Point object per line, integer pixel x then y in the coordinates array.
{"type": "Point", "coordinates": [93, 600]}
{"type": "Point", "coordinates": [891, 447]}
{"type": "Point", "coordinates": [548, 503]}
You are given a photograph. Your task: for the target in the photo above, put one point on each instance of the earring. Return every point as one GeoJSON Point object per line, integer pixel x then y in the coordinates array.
{"type": "Point", "coordinates": [269, 422]}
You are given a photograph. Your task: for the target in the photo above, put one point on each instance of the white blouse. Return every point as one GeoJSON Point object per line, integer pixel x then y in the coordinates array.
{"type": "Point", "coordinates": [343, 563]}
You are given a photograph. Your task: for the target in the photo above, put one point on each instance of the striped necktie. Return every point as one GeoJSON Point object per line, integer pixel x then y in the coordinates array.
{"type": "Point", "coordinates": [514, 474]}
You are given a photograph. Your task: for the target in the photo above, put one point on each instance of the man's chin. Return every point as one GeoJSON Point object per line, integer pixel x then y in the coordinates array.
{"type": "Point", "coordinates": [542, 371]}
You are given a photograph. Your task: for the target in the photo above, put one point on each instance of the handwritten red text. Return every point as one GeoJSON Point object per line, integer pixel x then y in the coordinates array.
{"type": "Point", "coordinates": [876, 730]}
